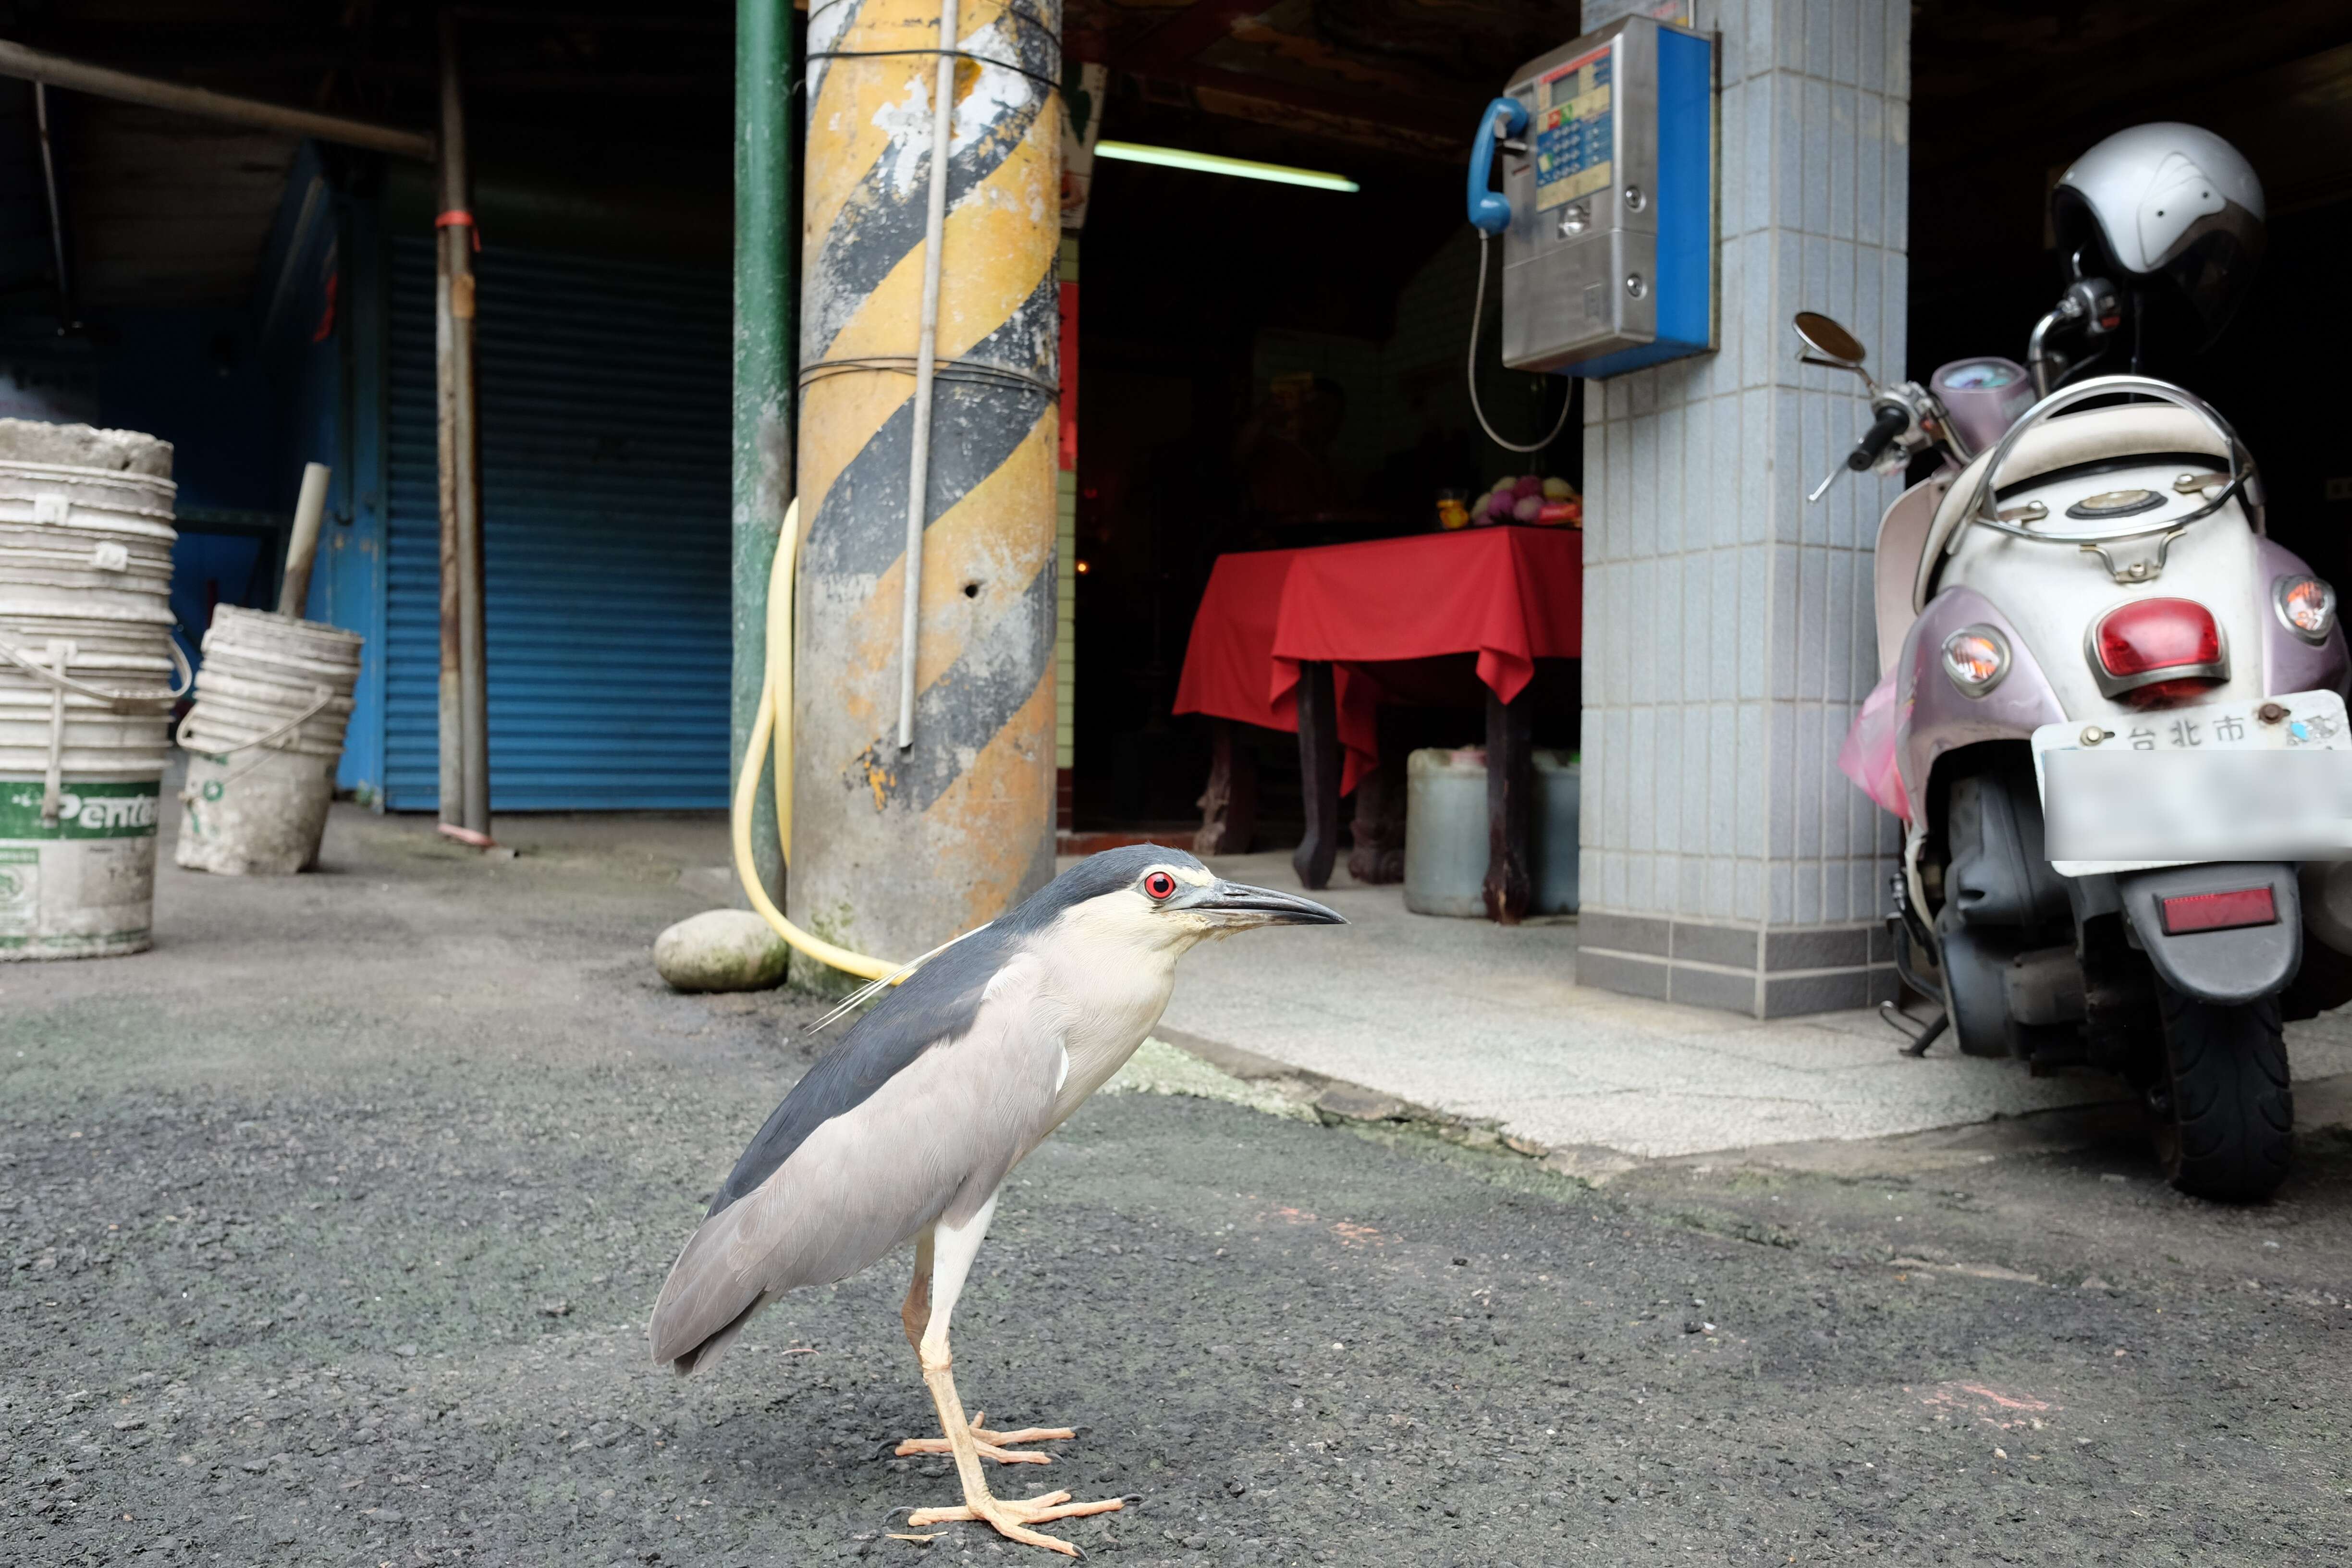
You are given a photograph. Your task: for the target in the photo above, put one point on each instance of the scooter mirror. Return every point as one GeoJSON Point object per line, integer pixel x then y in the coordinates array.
{"type": "Point", "coordinates": [1832, 341]}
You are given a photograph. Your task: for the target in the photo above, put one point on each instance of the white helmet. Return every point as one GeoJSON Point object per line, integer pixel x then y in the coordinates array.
{"type": "Point", "coordinates": [2164, 202]}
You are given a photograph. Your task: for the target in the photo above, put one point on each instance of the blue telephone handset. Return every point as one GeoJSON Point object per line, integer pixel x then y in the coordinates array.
{"type": "Point", "coordinates": [1489, 210]}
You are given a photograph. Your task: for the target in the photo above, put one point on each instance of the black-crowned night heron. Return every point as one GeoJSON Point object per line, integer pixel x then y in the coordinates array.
{"type": "Point", "coordinates": [906, 1131]}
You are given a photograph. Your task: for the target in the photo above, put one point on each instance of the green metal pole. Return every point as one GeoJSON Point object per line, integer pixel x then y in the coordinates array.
{"type": "Point", "coordinates": [767, 218]}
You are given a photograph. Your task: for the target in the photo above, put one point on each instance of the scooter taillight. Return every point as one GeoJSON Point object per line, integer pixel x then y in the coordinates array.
{"type": "Point", "coordinates": [2155, 652]}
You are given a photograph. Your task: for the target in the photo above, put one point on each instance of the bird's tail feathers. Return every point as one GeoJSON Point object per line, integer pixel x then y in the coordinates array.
{"type": "Point", "coordinates": [706, 1301]}
{"type": "Point", "coordinates": [705, 1356]}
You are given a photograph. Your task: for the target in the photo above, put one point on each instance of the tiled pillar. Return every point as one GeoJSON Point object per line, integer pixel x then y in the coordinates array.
{"type": "Point", "coordinates": [1728, 642]}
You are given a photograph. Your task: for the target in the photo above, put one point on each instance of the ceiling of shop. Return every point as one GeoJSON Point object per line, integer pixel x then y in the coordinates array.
{"type": "Point", "coordinates": [635, 92]}
{"type": "Point", "coordinates": [167, 208]}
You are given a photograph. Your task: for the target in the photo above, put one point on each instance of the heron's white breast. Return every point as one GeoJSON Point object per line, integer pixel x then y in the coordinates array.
{"type": "Point", "coordinates": [1110, 980]}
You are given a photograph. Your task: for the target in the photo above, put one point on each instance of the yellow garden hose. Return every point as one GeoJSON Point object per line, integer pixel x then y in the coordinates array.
{"type": "Point", "coordinates": [773, 721]}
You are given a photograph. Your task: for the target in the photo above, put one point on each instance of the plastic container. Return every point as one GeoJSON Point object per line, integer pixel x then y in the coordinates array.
{"type": "Point", "coordinates": [1445, 848]}
{"type": "Point", "coordinates": [1445, 832]}
{"type": "Point", "coordinates": [1559, 790]}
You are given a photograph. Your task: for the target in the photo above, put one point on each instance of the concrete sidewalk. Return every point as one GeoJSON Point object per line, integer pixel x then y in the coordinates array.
{"type": "Point", "coordinates": [1487, 1023]}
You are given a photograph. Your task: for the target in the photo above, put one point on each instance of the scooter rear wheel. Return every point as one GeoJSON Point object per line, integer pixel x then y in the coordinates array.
{"type": "Point", "coordinates": [2221, 1112]}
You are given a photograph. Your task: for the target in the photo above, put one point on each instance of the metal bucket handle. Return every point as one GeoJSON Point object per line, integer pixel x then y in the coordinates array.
{"type": "Point", "coordinates": [180, 738]}
{"type": "Point", "coordinates": [115, 700]}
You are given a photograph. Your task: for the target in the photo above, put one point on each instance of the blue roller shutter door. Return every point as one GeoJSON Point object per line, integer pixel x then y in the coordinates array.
{"type": "Point", "coordinates": [606, 431]}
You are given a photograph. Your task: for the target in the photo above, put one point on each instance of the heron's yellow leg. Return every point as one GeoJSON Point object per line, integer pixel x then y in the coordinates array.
{"type": "Point", "coordinates": [943, 1260]}
{"type": "Point", "coordinates": [915, 1316]}
{"type": "Point", "coordinates": [1010, 1518]}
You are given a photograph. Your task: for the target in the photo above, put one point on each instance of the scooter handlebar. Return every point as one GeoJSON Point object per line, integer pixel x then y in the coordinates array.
{"type": "Point", "coordinates": [1891, 422]}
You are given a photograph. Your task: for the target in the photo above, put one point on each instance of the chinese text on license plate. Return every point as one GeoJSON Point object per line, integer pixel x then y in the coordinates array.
{"type": "Point", "coordinates": [2258, 779]}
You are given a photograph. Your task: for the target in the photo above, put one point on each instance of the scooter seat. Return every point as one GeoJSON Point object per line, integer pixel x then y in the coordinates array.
{"type": "Point", "coordinates": [2069, 440]}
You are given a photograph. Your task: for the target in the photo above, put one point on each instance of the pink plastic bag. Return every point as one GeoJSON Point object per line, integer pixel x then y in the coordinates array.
{"type": "Point", "coordinates": [1868, 755]}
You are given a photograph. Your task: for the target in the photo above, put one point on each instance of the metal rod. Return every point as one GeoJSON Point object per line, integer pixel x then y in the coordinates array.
{"type": "Point", "coordinates": [458, 238]}
{"type": "Point", "coordinates": [465, 747]}
{"type": "Point", "coordinates": [444, 366]}
{"type": "Point", "coordinates": [309, 508]}
{"type": "Point", "coordinates": [2037, 358]}
{"type": "Point", "coordinates": [99, 81]}
{"type": "Point", "coordinates": [927, 349]}
{"type": "Point", "coordinates": [49, 180]}
{"type": "Point", "coordinates": [767, 221]}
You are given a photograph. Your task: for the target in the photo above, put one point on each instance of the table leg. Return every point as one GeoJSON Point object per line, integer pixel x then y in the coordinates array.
{"type": "Point", "coordinates": [1378, 828]}
{"type": "Point", "coordinates": [1510, 800]}
{"type": "Point", "coordinates": [1229, 805]}
{"type": "Point", "coordinates": [1319, 774]}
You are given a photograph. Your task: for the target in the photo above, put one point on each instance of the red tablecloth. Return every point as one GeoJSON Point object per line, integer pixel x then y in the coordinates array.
{"type": "Point", "coordinates": [1511, 596]}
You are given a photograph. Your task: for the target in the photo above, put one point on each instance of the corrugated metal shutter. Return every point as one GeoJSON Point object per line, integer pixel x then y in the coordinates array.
{"type": "Point", "coordinates": [604, 409]}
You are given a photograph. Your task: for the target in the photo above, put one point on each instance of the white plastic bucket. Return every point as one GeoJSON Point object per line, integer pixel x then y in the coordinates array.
{"type": "Point", "coordinates": [264, 739]}
{"type": "Point", "coordinates": [87, 676]}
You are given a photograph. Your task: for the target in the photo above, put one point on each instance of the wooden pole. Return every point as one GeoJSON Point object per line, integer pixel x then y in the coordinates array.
{"type": "Point", "coordinates": [464, 717]}
{"type": "Point", "coordinates": [310, 509]}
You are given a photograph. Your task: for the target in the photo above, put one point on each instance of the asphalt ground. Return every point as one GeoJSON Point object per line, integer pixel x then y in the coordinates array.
{"type": "Point", "coordinates": [331, 1226]}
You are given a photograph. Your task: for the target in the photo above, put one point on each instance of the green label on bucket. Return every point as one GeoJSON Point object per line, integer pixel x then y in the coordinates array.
{"type": "Point", "coordinates": [84, 810]}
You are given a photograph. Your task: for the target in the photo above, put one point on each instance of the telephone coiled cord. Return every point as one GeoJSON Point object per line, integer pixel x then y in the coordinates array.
{"type": "Point", "coordinates": [1477, 310]}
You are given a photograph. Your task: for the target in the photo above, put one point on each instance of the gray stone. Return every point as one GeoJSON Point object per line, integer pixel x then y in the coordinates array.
{"type": "Point", "coordinates": [721, 949]}
{"type": "Point", "coordinates": [83, 447]}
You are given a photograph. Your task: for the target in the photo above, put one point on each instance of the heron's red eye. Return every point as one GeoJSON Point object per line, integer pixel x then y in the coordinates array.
{"type": "Point", "coordinates": [1159, 885]}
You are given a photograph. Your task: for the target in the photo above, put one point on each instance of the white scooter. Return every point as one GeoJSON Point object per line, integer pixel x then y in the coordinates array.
{"type": "Point", "coordinates": [2073, 578]}
{"type": "Point", "coordinates": [2112, 716]}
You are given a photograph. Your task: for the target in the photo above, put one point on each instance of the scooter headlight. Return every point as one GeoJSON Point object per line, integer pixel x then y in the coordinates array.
{"type": "Point", "coordinates": [1976, 658]}
{"type": "Point", "coordinates": [2306, 606]}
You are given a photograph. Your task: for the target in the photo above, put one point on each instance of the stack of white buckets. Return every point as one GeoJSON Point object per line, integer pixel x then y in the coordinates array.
{"type": "Point", "coordinates": [87, 685]}
{"type": "Point", "coordinates": [89, 673]}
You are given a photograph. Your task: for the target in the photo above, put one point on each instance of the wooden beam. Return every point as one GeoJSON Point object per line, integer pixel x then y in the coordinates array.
{"type": "Point", "coordinates": [33, 65]}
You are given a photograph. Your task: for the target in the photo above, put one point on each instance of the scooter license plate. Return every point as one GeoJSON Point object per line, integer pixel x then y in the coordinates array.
{"type": "Point", "coordinates": [2256, 779]}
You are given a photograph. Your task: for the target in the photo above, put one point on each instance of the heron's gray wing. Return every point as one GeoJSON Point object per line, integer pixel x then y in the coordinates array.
{"type": "Point", "coordinates": [895, 1152]}
{"type": "Point", "coordinates": [937, 1002]}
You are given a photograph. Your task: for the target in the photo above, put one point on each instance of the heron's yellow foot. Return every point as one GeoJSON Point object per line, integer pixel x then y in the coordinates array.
{"type": "Point", "coordinates": [997, 1445]}
{"type": "Point", "coordinates": [1012, 1519]}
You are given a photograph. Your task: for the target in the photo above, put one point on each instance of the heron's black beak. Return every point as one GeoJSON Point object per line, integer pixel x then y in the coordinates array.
{"type": "Point", "coordinates": [1244, 905]}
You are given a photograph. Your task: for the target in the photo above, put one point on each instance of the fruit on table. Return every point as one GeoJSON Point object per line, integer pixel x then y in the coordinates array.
{"type": "Point", "coordinates": [1527, 498]}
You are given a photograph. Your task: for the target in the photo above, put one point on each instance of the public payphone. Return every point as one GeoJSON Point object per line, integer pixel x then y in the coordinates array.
{"type": "Point", "coordinates": [1607, 210]}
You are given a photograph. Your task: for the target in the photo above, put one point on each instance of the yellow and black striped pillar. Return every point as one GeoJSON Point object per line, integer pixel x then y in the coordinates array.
{"type": "Point", "coordinates": [893, 852]}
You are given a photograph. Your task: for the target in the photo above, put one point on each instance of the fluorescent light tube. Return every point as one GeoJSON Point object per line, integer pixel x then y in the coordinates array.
{"type": "Point", "coordinates": [1212, 163]}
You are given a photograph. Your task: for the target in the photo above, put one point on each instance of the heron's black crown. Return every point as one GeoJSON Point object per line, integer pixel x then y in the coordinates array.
{"type": "Point", "coordinates": [1091, 878]}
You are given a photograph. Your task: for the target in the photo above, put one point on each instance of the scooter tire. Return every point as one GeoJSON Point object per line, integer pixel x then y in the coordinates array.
{"type": "Point", "coordinates": [2221, 1114]}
